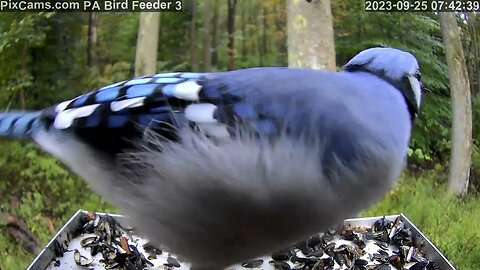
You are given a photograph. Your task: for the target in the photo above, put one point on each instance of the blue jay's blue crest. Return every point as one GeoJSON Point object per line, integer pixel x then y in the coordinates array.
{"type": "Point", "coordinates": [394, 62]}
{"type": "Point", "coordinates": [225, 166]}
{"type": "Point", "coordinates": [397, 67]}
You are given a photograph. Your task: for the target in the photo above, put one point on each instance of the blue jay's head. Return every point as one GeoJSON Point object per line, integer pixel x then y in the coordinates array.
{"type": "Point", "coordinates": [395, 66]}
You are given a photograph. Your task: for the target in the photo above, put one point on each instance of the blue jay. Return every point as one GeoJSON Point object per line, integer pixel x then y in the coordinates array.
{"type": "Point", "coordinates": [222, 167]}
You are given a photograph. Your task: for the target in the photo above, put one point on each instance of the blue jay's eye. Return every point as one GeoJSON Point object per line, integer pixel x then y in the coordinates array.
{"type": "Point", "coordinates": [418, 75]}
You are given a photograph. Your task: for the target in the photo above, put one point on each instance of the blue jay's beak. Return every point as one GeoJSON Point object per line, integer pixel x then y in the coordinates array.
{"type": "Point", "coordinates": [422, 90]}
{"type": "Point", "coordinates": [411, 89]}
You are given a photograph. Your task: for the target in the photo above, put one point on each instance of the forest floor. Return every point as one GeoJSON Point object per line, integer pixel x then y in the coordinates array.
{"type": "Point", "coordinates": [454, 227]}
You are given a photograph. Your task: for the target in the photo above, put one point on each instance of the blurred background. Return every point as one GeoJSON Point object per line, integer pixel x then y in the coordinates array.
{"type": "Point", "coordinates": [49, 56]}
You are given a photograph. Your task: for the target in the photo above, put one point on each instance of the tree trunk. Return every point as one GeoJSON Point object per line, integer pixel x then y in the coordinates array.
{"type": "Point", "coordinates": [215, 33]}
{"type": "Point", "coordinates": [310, 34]}
{"type": "Point", "coordinates": [207, 22]}
{"type": "Point", "coordinates": [92, 38]}
{"type": "Point", "coordinates": [147, 44]}
{"type": "Point", "coordinates": [280, 28]}
{"type": "Point", "coordinates": [460, 159]}
{"type": "Point", "coordinates": [244, 31]}
{"type": "Point", "coordinates": [473, 23]}
{"type": "Point", "coordinates": [231, 31]}
{"type": "Point", "coordinates": [252, 33]}
{"type": "Point", "coordinates": [193, 37]}
{"type": "Point", "coordinates": [476, 45]}
{"type": "Point", "coordinates": [259, 37]}
{"type": "Point", "coordinates": [24, 71]}
{"type": "Point", "coordinates": [264, 32]}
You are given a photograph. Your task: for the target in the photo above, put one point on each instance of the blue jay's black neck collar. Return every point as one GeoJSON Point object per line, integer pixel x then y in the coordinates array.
{"type": "Point", "coordinates": [403, 85]}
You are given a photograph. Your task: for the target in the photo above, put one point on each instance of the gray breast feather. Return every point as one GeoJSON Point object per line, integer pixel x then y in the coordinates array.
{"type": "Point", "coordinates": [216, 203]}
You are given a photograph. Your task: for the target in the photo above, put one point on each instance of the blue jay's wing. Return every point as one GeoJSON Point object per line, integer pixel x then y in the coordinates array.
{"type": "Point", "coordinates": [139, 100]}
{"type": "Point", "coordinates": [110, 118]}
{"type": "Point", "coordinates": [260, 100]}
{"type": "Point", "coordinates": [216, 103]}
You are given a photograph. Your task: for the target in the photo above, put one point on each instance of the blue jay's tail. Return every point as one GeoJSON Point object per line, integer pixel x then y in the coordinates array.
{"type": "Point", "coordinates": [18, 124]}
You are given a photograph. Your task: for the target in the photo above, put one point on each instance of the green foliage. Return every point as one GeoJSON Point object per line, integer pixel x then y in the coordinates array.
{"type": "Point", "coordinates": [28, 174]}
{"type": "Point", "coordinates": [476, 115]}
{"type": "Point", "coordinates": [117, 37]}
{"type": "Point", "coordinates": [54, 64]}
{"type": "Point", "coordinates": [101, 76]}
{"type": "Point", "coordinates": [451, 225]}
{"type": "Point", "coordinates": [19, 33]}
{"type": "Point", "coordinates": [14, 257]}
{"type": "Point", "coordinates": [46, 189]}
{"type": "Point", "coordinates": [431, 132]}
